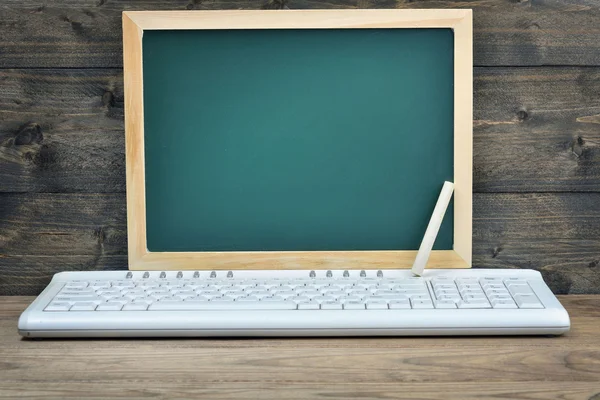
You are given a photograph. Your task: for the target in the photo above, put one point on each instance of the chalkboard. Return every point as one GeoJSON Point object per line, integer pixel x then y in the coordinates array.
{"type": "Point", "coordinates": [296, 140]}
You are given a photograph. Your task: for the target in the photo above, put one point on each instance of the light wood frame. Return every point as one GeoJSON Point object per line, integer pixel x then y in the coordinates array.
{"type": "Point", "coordinates": [134, 25]}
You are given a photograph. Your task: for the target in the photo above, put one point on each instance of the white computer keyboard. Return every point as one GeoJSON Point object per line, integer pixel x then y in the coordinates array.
{"type": "Point", "coordinates": [297, 303]}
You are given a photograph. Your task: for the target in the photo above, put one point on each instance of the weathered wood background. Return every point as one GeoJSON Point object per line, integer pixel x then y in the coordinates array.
{"type": "Point", "coordinates": [536, 144]}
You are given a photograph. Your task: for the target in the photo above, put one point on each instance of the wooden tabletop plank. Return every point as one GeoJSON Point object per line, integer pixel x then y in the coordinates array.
{"type": "Point", "coordinates": [195, 389]}
{"type": "Point", "coordinates": [87, 33]}
{"type": "Point", "coordinates": [566, 367]}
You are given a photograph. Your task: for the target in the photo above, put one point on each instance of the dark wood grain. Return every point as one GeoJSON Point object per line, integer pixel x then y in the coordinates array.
{"type": "Point", "coordinates": [61, 131]}
{"type": "Point", "coordinates": [43, 234]}
{"type": "Point", "coordinates": [558, 234]}
{"type": "Point", "coordinates": [566, 367]}
{"type": "Point", "coordinates": [87, 33]}
{"type": "Point", "coordinates": [536, 129]}
{"type": "Point", "coordinates": [29, 274]}
{"type": "Point", "coordinates": [68, 224]}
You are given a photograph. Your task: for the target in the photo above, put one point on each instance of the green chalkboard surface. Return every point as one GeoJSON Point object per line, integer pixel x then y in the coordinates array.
{"type": "Point", "coordinates": [296, 140]}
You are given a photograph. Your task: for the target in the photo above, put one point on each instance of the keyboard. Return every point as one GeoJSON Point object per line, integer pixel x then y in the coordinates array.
{"type": "Point", "coordinates": [294, 303]}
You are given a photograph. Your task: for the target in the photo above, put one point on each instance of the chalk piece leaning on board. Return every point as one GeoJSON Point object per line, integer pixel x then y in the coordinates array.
{"type": "Point", "coordinates": [432, 229]}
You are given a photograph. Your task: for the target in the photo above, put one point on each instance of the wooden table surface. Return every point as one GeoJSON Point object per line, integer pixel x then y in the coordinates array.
{"type": "Point", "coordinates": [566, 367]}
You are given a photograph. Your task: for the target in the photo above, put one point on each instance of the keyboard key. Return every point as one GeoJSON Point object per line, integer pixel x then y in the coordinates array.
{"type": "Point", "coordinates": [83, 306]}
{"type": "Point", "coordinates": [472, 292]}
{"type": "Point", "coordinates": [232, 291]}
{"type": "Point", "coordinates": [399, 304]}
{"type": "Point", "coordinates": [109, 306]}
{"type": "Point", "coordinates": [474, 304]}
{"type": "Point", "coordinates": [169, 300]}
{"type": "Point", "coordinates": [445, 304]}
{"type": "Point", "coordinates": [528, 301]}
{"type": "Point", "coordinates": [412, 280]}
{"type": "Point", "coordinates": [410, 293]}
{"type": "Point", "coordinates": [443, 279]}
{"type": "Point", "coordinates": [470, 286]}
{"type": "Point", "coordinates": [146, 300]}
{"type": "Point", "coordinates": [311, 293]}
{"type": "Point", "coordinates": [108, 292]}
{"type": "Point", "coordinates": [492, 279]}
{"type": "Point", "coordinates": [339, 286]}
{"type": "Point", "coordinates": [261, 294]}
{"type": "Point", "coordinates": [148, 286]}
{"type": "Point", "coordinates": [133, 296]}
{"type": "Point", "coordinates": [399, 296]}
{"type": "Point", "coordinates": [330, 305]}
{"type": "Point", "coordinates": [452, 298]}
{"type": "Point", "coordinates": [100, 285]}
{"type": "Point", "coordinates": [450, 286]}
{"type": "Point", "coordinates": [135, 290]}
{"type": "Point", "coordinates": [223, 306]}
{"type": "Point", "coordinates": [473, 297]}
{"type": "Point", "coordinates": [363, 286]}
{"type": "Point", "coordinates": [503, 304]}
{"type": "Point", "coordinates": [518, 281]}
{"type": "Point", "coordinates": [445, 292]}
{"type": "Point", "coordinates": [120, 300]}
{"type": "Point", "coordinates": [385, 286]}
{"type": "Point", "coordinates": [519, 289]}
{"type": "Point", "coordinates": [272, 284]}
{"type": "Point", "coordinates": [377, 305]}
{"type": "Point", "coordinates": [73, 299]}
{"type": "Point", "coordinates": [420, 287]}
{"type": "Point", "coordinates": [275, 298]}
{"type": "Point", "coordinates": [355, 292]}
{"type": "Point", "coordinates": [500, 297]}
{"type": "Point", "coordinates": [336, 293]}
{"type": "Point", "coordinates": [354, 305]}
{"type": "Point", "coordinates": [58, 306]}
{"type": "Point", "coordinates": [491, 292]}
{"type": "Point", "coordinates": [421, 303]}
{"type": "Point", "coordinates": [122, 284]}
{"type": "Point", "coordinates": [211, 294]}
{"type": "Point", "coordinates": [323, 299]}
{"type": "Point", "coordinates": [299, 299]}
{"type": "Point", "coordinates": [467, 281]}
{"type": "Point", "coordinates": [76, 284]}
{"type": "Point", "coordinates": [78, 289]}
{"type": "Point", "coordinates": [498, 286]}
{"type": "Point", "coordinates": [159, 291]}
{"type": "Point", "coordinates": [287, 294]}
{"type": "Point", "coordinates": [353, 298]}
{"type": "Point", "coordinates": [313, 305]}
{"type": "Point", "coordinates": [420, 297]}
{"type": "Point", "coordinates": [195, 287]}
{"type": "Point", "coordinates": [70, 293]}
{"type": "Point", "coordinates": [246, 298]}
{"type": "Point", "coordinates": [157, 297]}
{"type": "Point", "coordinates": [189, 292]}
{"type": "Point", "coordinates": [135, 307]}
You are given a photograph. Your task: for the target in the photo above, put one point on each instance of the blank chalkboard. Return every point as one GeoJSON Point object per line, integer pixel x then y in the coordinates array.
{"type": "Point", "coordinates": [296, 140]}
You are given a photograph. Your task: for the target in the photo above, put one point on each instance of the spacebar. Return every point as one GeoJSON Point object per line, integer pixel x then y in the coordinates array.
{"type": "Point", "coordinates": [222, 305]}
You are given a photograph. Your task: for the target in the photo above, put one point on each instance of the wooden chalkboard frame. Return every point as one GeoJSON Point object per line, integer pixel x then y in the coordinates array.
{"type": "Point", "coordinates": [134, 25]}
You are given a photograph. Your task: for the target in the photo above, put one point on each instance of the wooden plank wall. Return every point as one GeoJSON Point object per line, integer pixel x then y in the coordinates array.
{"type": "Point", "coordinates": [536, 144]}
